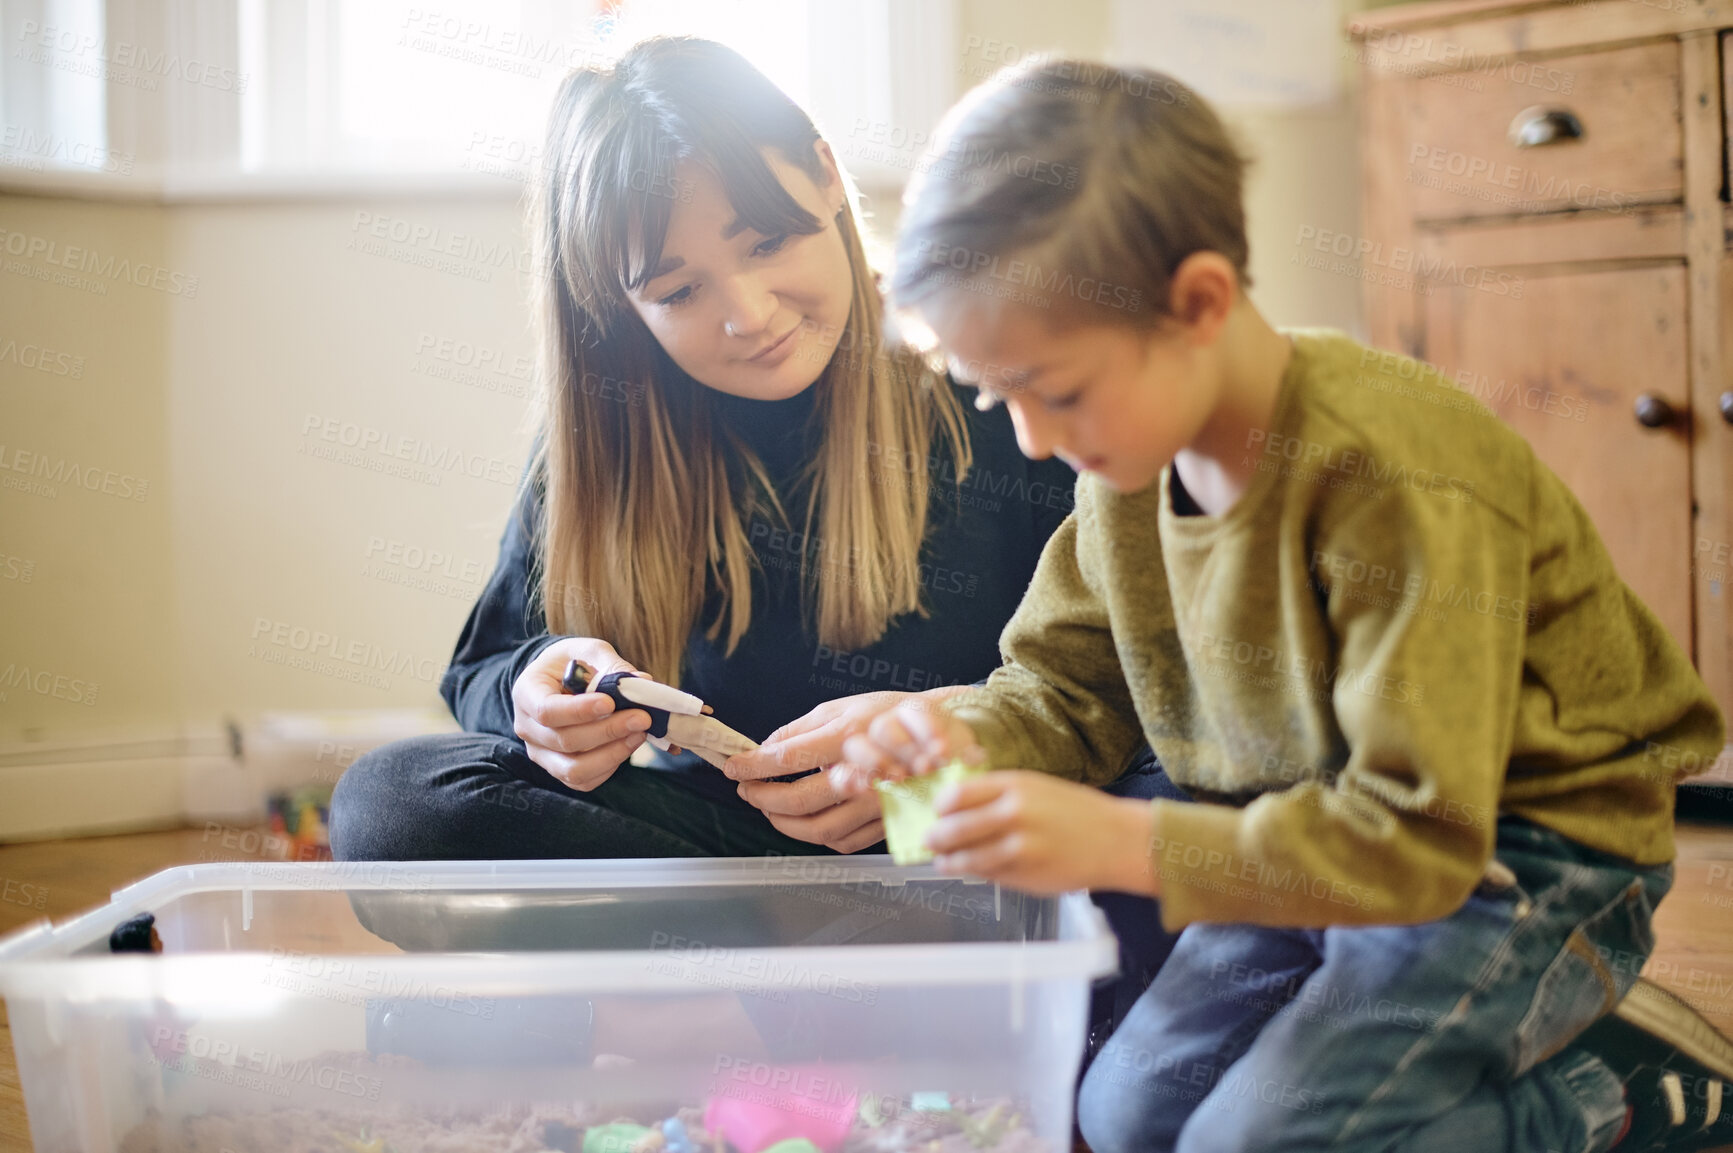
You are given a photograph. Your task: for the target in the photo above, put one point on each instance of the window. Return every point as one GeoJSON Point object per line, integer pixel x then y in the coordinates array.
{"type": "Point", "coordinates": [53, 111]}
{"type": "Point", "coordinates": [240, 94]}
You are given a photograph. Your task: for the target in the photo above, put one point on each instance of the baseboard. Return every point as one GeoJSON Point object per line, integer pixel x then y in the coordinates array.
{"type": "Point", "coordinates": [117, 781]}
{"type": "Point", "coordinates": [122, 782]}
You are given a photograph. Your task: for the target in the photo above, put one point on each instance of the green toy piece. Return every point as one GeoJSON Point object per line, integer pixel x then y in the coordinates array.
{"type": "Point", "coordinates": [908, 809]}
{"type": "Point", "coordinates": [618, 1137]}
{"type": "Point", "coordinates": [793, 1145]}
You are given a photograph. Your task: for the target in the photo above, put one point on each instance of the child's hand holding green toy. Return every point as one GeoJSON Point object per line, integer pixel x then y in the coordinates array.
{"type": "Point", "coordinates": [908, 809]}
{"type": "Point", "coordinates": [909, 754]}
{"type": "Point", "coordinates": [1025, 829]}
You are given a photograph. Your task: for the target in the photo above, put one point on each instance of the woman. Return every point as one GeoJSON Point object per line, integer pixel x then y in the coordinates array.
{"type": "Point", "coordinates": [737, 488]}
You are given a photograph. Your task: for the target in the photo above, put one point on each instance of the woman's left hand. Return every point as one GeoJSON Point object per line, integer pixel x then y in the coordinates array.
{"type": "Point", "coordinates": [810, 810]}
{"type": "Point", "coordinates": [1043, 835]}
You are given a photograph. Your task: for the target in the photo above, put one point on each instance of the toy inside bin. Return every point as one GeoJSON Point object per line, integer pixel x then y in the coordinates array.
{"type": "Point", "coordinates": [786, 1004]}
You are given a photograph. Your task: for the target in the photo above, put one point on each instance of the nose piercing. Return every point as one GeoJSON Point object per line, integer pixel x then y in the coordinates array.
{"type": "Point", "coordinates": [728, 327]}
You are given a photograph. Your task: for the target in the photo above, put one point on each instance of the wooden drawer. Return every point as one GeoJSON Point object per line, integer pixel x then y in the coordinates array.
{"type": "Point", "coordinates": [1461, 163]}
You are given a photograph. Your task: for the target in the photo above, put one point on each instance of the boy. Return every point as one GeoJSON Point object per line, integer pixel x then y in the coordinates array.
{"type": "Point", "coordinates": [1350, 613]}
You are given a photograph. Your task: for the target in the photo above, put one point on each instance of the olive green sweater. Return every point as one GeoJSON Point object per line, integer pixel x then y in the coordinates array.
{"type": "Point", "coordinates": [1405, 627]}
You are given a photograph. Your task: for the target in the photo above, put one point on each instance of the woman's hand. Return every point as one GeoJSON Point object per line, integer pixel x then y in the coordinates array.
{"type": "Point", "coordinates": [1035, 832]}
{"type": "Point", "coordinates": [911, 739]}
{"type": "Point", "coordinates": [810, 810]}
{"type": "Point", "coordinates": [576, 737]}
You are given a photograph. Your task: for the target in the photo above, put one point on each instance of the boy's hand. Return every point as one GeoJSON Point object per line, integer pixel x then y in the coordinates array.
{"type": "Point", "coordinates": [1043, 835]}
{"type": "Point", "coordinates": [913, 738]}
{"type": "Point", "coordinates": [815, 740]}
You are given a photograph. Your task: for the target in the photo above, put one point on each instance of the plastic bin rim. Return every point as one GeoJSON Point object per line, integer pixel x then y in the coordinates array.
{"type": "Point", "coordinates": [435, 876]}
{"type": "Point", "coordinates": [36, 960]}
{"type": "Point", "coordinates": [564, 874]}
{"type": "Point", "coordinates": [354, 977]}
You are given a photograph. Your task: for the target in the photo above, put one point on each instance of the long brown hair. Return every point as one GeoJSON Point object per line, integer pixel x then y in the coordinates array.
{"type": "Point", "coordinates": [641, 508]}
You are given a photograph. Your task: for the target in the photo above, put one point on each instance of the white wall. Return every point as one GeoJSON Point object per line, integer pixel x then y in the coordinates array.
{"type": "Point", "coordinates": [87, 590]}
{"type": "Point", "coordinates": [208, 396]}
{"type": "Point", "coordinates": [319, 337]}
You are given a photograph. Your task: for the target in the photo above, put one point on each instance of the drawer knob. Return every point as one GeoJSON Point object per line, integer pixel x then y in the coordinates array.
{"type": "Point", "coordinates": [1726, 406]}
{"type": "Point", "coordinates": [1539, 126]}
{"type": "Point", "coordinates": [1653, 412]}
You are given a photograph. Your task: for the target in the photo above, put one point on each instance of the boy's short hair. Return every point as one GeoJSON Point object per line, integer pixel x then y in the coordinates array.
{"type": "Point", "coordinates": [1074, 186]}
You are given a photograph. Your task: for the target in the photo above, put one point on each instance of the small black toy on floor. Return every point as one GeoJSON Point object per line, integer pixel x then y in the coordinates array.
{"type": "Point", "coordinates": [135, 935]}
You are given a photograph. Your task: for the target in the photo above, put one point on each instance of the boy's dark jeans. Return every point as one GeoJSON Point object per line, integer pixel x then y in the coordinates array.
{"type": "Point", "coordinates": [1449, 1035]}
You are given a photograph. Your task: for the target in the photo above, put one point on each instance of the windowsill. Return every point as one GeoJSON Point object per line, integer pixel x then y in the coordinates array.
{"type": "Point", "coordinates": [224, 185]}
{"type": "Point", "coordinates": [227, 186]}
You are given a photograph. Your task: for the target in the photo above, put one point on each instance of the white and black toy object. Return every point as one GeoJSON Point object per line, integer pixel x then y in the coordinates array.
{"type": "Point", "coordinates": [676, 718]}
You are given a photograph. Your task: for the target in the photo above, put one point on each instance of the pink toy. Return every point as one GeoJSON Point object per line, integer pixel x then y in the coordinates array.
{"type": "Point", "coordinates": [792, 1102]}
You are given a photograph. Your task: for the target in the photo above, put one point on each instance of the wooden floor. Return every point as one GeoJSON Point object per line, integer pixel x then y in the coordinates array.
{"type": "Point", "coordinates": [1694, 926]}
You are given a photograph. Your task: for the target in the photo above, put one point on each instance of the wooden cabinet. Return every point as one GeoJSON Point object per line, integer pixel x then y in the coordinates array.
{"type": "Point", "coordinates": [1592, 130]}
{"type": "Point", "coordinates": [1552, 367]}
{"type": "Point", "coordinates": [1555, 173]}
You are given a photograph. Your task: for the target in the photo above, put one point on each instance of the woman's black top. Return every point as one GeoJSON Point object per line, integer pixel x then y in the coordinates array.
{"type": "Point", "coordinates": [983, 539]}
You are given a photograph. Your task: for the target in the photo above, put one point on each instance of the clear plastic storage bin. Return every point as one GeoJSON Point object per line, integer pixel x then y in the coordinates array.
{"type": "Point", "coordinates": [598, 1006]}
